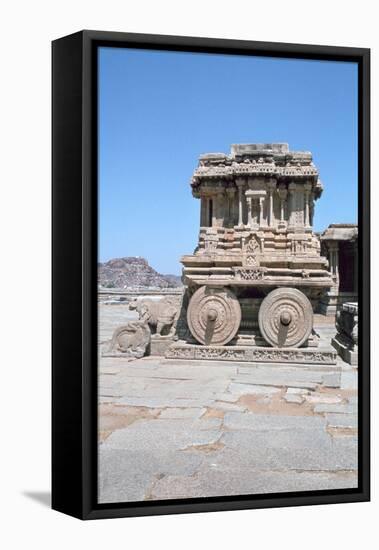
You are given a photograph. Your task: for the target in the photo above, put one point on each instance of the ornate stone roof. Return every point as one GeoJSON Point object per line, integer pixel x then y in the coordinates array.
{"type": "Point", "coordinates": [257, 160]}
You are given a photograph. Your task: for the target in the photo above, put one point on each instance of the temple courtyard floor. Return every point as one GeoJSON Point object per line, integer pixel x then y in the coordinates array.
{"type": "Point", "coordinates": [186, 429]}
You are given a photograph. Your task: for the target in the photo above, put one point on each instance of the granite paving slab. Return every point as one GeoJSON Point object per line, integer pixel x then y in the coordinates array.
{"type": "Point", "coordinates": [342, 420]}
{"type": "Point", "coordinates": [228, 482]}
{"type": "Point", "coordinates": [126, 473]}
{"type": "Point", "coordinates": [261, 422]}
{"type": "Point", "coordinates": [157, 434]}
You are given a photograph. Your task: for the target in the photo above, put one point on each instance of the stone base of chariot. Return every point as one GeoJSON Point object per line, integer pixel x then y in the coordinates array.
{"type": "Point", "coordinates": [160, 344]}
{"type": "Point", "coordinates": [302, 356]}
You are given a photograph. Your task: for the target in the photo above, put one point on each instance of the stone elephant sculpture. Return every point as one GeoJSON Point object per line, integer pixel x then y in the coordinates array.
{"type": "Point", "coordinates": [160, 315]}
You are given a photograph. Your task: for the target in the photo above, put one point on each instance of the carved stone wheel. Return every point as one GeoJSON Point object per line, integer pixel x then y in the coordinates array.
{"type": "Point", "coordinates": [213, 315]}
{"type": "Point", "coordinates": [286, 318]}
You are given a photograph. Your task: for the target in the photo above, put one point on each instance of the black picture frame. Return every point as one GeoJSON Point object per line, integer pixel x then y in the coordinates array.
{"type": "Point", "coordinates": [74, 271]}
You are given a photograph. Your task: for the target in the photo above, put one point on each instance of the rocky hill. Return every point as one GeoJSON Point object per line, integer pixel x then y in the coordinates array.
{"type": "Point", "coordinates": [133, 272]}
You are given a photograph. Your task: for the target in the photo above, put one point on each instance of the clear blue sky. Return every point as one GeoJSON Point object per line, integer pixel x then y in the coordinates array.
{"type": "Point", "coordinates": [158, 111]}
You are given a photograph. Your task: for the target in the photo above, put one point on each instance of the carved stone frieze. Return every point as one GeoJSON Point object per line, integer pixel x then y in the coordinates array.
{"type": "Point", "coordinates": [251, 354]}
{"type": "Point", "coordinates": [249, 274]}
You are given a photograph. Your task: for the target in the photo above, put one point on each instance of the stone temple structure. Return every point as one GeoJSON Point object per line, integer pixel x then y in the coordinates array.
{"type": "Point", "coordinates": [339, 243]}
{"type": "Point", "coordinates": [257, 274]}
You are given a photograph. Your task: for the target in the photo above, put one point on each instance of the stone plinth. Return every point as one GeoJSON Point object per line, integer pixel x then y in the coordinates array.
{"type": "Point", "coordinates": [346, 339]}
{"type": "Point", "coordinates": [160, 344]}
{"type": "Point", "coordinates": [306, 356]}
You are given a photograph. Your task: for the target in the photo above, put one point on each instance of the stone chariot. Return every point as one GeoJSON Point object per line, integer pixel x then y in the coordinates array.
{"type": "Point", "coordinates": [257, 274]}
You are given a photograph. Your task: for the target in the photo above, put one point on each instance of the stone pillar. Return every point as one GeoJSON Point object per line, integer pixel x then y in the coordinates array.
{"type": "Point", "coordinates": [260, 209]}
{"type": "Point", "coordinates": [333, 260]}
{"type": "Point", "coordinates": [311, 208]}
{"type": "Point", "coordinates": [271, 187]}
{"type": "Point", "coordinates": [214, 211]}
{"type": "Point", "coordinates": [230, 192]}
{"type": "Point", "coordinates": [203, 212]}
{"type": "Point", "coordinates": [282, 192]}
{"type": "Point", "coordinates": [249, 211]}
{"type": "Point", "coordinates": [220, 208]}
{"type": "Point", "coordinates": [240, 183]}
{"type": "Point", "coordinates": [291, 204]}
{"type": "Point", "coordinates": [307, 192]}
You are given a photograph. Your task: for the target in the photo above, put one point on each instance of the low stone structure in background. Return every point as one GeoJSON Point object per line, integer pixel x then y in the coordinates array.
{"type": "Point", "coordinates": [346, 339]}
{"type": "Point", "coordinates": [339, 243]}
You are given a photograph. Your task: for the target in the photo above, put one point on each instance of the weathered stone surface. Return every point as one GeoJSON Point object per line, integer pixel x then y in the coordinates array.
{"type": "Point", "coordinates": [335, 408]}
{"type": "Point", "coordinates": [346, 339]}
{"type": "Point", "coordinates": [160, 315]}
{"type": "Point", "coordinates": [349, 379]}
{"type": "Point", "coordinates": [163, 402]}
{"type": "Point", "coordinates": [283, 377]}
{"type": "Point", "coordinates": [193, 432]}
{"type": "Point", "coordinates": [225, 406]}
{"type": "Point", "coordinates": [213, 316]}
{"type": "Point", "coordinates": [183, 412]}
{"type": "Point", "coordinates": [160, 344]}
{"type": "Point", "coordinates": [342, 420]}
{"type": "Point", "coordinates": [332, 380]}
{"type": "Point", "coordinates": [271, 423]}
{"type": "Point", "coordinates": [316, 398]}
{"type": "Point", "coordinates": [339, 242]}
{"type": "Point", "coordinates": [153, 435]}
{"type": "Point", "coordinates": [294, 398]}
{"type": "Point", "coordinates": [130, 340]}
{"type": "Point", "coordinates": [109, 370]}
{"type": "Point", "coordinates": [297, 391]}
{"type": "Point", "coordinates": [301, 449]}
{"type": "Point", "coordinates": [293, 356]}
{"type": "Point", "coordinates": [257, 210]}
{"type": "Point", "coordinates": [126, 474]}
{"type": "Point", "coordinates": [286, 318]}
{"type": "Point", "coordinates": [225, 482]}
{"type": "Point", "coordinates": [244, 389]}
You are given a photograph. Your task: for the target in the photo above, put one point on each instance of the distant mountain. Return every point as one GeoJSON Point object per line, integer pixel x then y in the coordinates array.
{"type": "Point", "coordinates": [133, 272]}
{"type": "Point", "coordinates": [173, 280]}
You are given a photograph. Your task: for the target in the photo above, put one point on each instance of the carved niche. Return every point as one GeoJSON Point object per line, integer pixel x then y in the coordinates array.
{"type": "Point", "coordinates": [252, 250]}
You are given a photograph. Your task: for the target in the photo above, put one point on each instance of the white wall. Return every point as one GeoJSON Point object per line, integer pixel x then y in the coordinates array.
{"type": "Point", "coordinates": [26, 31]}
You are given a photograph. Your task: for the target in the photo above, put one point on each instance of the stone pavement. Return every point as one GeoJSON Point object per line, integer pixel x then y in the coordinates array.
{"type": "Point", "coordinates": [181, 429]}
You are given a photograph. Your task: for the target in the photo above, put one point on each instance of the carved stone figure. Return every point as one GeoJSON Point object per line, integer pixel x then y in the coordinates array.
{"type": "Point", "coordinates": [130, 340]}
{"type": "Point", "coordinates": [160, 315]}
